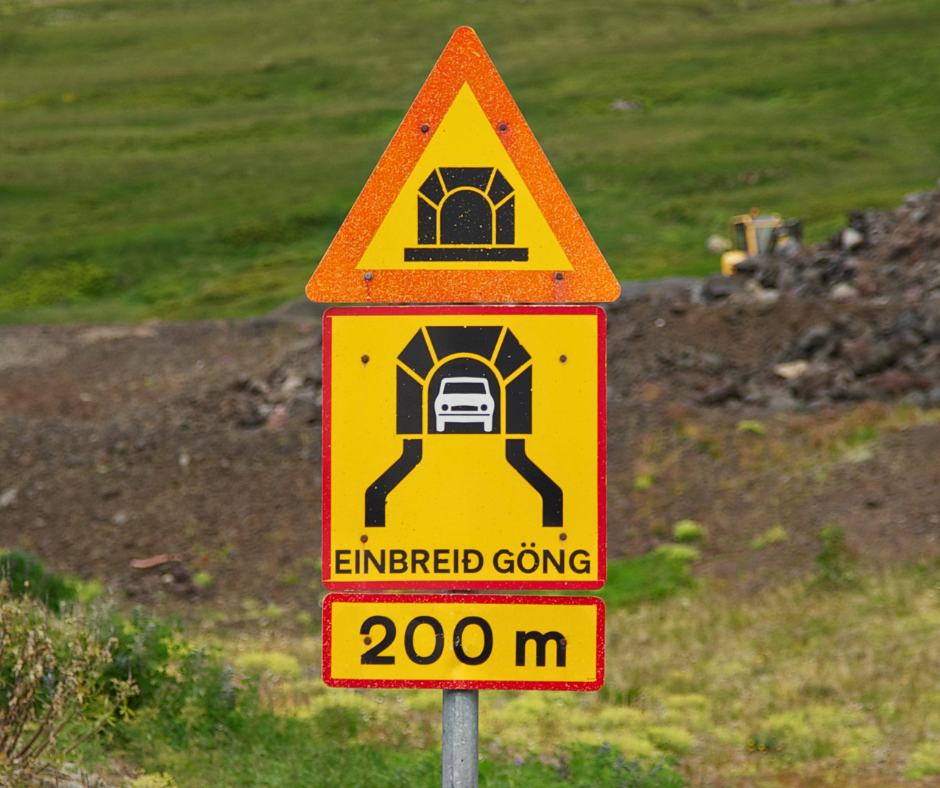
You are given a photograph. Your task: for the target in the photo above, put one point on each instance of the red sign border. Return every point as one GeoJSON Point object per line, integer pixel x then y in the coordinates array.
{"type": "Point", "coordinates": [573, 686]}
{"type": "Point", "coordinates": [467, 585]}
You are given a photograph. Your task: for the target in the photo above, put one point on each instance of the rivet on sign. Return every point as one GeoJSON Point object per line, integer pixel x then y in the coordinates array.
{"type": "Point", "coordinates": [367, 641]}
{"type": "Point", "coordinates": [564, 642]}
{"type": "Point", "coordinates": [563, 537]}
{"type": "Point", "coordinates": [425, 128]}
{"type": "Point", "coordinates": [563, 358]}
{"type": "Point", "coordinates": [363, 538]}
{"type": "Point", "coordinates": [368, 276]}
{"type": "Point", "coordinates": [504, 127]}
{"type": "Point", "coordinates": [559, 276]}
{"type": "Point", "coordinates": [364, 359]}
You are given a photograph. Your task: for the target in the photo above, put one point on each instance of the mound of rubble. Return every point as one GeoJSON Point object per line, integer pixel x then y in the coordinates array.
{"type": "Point", "coordinates": [876, 333]}
{"type": "Point", "coordinates": [880, 254]}
{"type": "Point", "coordinates": [856, 358]}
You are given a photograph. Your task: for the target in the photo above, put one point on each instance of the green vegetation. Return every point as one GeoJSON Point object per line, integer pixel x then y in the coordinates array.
{"type": "Point", "coordinates": [834, 559]}
{"type": "Point", "coordinates": [194, 160]}
{"type": "Point", "coordinates": [776, 534]}
{"type": "Point", "coordinates": [267, 724]}
{"type": "Point", "coordinates": [202, 579]}
{"type": "Point", "coordinates": [828, 681]}
{"type": "Point", "coordinates": [652, 577]}
{"type": "Point", "coordinates": [687, 531]}
{"type": "Point", "coordinates": [26, 574]}
{"type": "Point", "coordinates": [188, 718]}
{"type": "Point", "coordinates": [798, 684]}
{"type": "Point", "coordinates": [55, 691]}
{"type": "Point", "coordinates": [754, 427]}
{"type": "Point", "coordinates": [815, 681]}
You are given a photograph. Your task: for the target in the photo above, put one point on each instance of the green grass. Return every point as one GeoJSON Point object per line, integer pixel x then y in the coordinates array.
{"type": "Point", "coordinates": [804, 684]}
{"type": "Point", "coordinates": [284, 753]}
{"type": "Point", "coordinates": [829, 683]}
{"type": "Point", "coordinates": [194, 160]}
{"type": "Point", "coordinates": [650, 578]}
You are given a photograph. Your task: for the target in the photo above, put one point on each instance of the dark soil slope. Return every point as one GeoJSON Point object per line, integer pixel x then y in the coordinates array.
{"type": "Point", "coordinates": [179, 463]}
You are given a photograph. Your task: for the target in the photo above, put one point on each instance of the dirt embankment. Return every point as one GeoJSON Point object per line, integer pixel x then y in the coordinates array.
{"type": "Point", "coordinates": [739, 409]}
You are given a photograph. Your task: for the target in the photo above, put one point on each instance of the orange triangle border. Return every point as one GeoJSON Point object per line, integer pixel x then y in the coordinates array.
{"type": "Point", "coordinates": [336, 278]}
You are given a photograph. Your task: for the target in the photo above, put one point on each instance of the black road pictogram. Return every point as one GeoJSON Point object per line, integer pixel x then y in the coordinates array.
{"type": "Point", "coordinates": [466, 214]}
{"type": "Point", "coordinates": [464, 379]}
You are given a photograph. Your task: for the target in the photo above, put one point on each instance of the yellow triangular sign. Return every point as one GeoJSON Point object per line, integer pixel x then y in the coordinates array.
{"type": "Point", "coordinates": [463, 206]}
{"type": "Point", "coordinates": [490, 180]}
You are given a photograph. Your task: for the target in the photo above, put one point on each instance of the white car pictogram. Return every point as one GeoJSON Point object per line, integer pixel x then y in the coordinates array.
{"type": "Point", "coordinates": [463, 401]}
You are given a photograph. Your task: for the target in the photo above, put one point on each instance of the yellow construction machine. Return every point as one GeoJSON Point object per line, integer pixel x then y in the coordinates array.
{"type": "Point", "coordinates": [753, 234]}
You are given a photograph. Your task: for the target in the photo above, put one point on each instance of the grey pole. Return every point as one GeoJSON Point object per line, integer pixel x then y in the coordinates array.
{"type": "Point", "coordinates": [460, 761]}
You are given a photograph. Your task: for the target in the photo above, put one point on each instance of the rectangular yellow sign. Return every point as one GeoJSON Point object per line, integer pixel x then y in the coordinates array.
{"type": "Point", "coordinates": [462, 641]}
{"type": "Point", "coordinates": [464, 448]}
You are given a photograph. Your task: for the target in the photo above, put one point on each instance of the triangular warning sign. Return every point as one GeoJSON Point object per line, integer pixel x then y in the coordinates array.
{"type": "Point", "coordinates": [463, 206]}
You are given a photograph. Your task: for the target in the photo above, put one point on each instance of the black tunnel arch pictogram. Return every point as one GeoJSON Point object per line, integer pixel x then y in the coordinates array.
{"type": "Point", "coordinates": [466, 214]}
{"type": "Point", "coordinates": [432, 349]}
{"type": "Point", "coordinates": [493, 352]}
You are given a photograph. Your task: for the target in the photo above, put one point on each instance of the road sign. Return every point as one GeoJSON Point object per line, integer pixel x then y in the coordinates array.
{"type": "Point", "coordinates": [463, 206]}
{"type": "Point", "coordinates": [464, 448]}
{"type": "Point", "coordinates": [459, 641]}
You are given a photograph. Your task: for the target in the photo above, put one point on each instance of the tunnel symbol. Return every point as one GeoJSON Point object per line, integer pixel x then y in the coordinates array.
{"type": "Point", "coordinates": [464, 379]}
{"type": "Point", "coordinates": [466, 214]}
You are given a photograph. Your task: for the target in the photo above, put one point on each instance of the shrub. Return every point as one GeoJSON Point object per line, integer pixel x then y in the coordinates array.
{"type": "Point", "coordinates": [199, 702]}
{"type": "Point", "coordinates": [202, 579]}
{"type": "Point", "coordinates": [52, 682]}
{"type": "Point", "coordinates": [25, 574]}
{"type": "Point", "coordinates": [142, 649]}
{"type": "Point", "coordinates": [590, 767]}
{"type": "Point", "coordinates": [271, 663]}
{"type": "Point", "coordinates": [924, 762]}
{"type": "Point", "coordinates": [687, 531]}
{"type": "Point", "coordinates": [671, 739]}
{"type": "Point", "coordinates": [773, 535]}
{"type": "Point", "coordinates": [834, 560]}
{"type": "Point", "coordinates": [160, 780]}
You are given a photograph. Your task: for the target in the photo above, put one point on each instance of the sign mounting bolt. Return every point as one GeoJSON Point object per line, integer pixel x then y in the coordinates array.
{"type": "Point", "coordinates": [559, 276]}
{"type": "Point", "coordinates": [364, 359]}
{"type": "Point", "coordinates": [504, 127]}
{"type": "Point", "coordinates": [562, 358]}
{"type": "Point", "coordinates": [563, 537]}
{"type": "Point", "coordinates": [368, 276]}
{"type": "Point", "coordinates": [425, 128]}
{"type": "Point", "coordinates": [363, 538]}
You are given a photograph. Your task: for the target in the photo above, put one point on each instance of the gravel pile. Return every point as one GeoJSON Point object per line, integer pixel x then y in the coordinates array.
{"type": "Point", "coordinates": [875, 335]}
{"type": "Point", "coordinates": [855, 358]}
{"type": "Point", "coordinates": [880, 255]}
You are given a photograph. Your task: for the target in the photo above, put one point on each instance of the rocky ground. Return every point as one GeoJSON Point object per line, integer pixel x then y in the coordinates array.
{"type": "Point", "coordinates": [179, 463]}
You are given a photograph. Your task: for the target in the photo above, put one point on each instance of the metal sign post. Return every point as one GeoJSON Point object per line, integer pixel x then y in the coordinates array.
{"type": "Point", "coordinates": [460, 757]}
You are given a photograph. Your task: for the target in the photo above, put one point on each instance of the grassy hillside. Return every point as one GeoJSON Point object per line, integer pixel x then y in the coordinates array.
{"type": "Point", "coordinates": [194, 159]}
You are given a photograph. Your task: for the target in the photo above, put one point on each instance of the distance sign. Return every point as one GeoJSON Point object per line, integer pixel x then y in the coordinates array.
{"type": "Point", "coordinates": [461, 641]}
